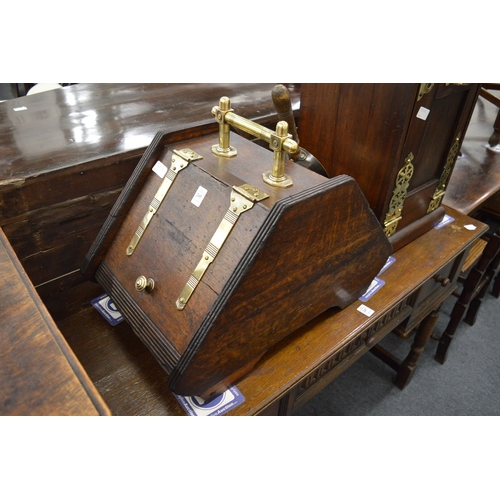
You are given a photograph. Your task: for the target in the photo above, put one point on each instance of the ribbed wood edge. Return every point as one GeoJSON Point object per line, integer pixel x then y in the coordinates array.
{"type": "Point", "coordinates": [245, 263]}
{"type": "Point", "coordinates": [130, 192]}
{"type": "Point", "coordinates": [121, 207]}
{"type": "Point", "coordinates": [152, 337]}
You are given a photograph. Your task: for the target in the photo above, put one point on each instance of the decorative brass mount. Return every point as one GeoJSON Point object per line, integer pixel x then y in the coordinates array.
{"type": "Point", "coordinates": [425, 88]}
{"type": "Point", "coordinates": [243, 198]}
{"type": "Point", "coordinates": [440, 191]}
{"type": "Point", "coordinates": [180, 160]}
{"type": "Point", "coordinates": [280, 141]}
{"type": "Point", "coordinates": [398, 196]}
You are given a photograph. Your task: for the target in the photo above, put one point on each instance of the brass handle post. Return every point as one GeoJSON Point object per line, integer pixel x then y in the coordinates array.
{"type": "Point", "coordinates": [220, 112]}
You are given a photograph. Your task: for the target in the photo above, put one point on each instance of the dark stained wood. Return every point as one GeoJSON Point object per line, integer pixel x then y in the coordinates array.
{"type": "Point", "coordinates": [476, 177]}
{"type": "Point", "coordinates": [495, 100]}
{"type": "Point", "coordinates": [291, 372]}
{"type": "Point", "coordinates": [474, 288]}
{"type": "Point", "coordinates": [309, 247]}
{"type": "Point", "coordinates": [39, 374]}
{"type": "Point", "coordinates": [369, 130]}
{"type": "Point", "coordinates": [66, 154]}
{"type": "Point", "coordinates": [86, 122]}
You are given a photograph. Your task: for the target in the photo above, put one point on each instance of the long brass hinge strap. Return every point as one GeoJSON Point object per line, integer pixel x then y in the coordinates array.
{"type": "Point", "coordinates": [243, 198]}
{"type": "Point", "coordinates": [403, 178]}
{"type": "Point", "coordinates": [440, 190]}
{"type": "Point", "coordinates": [180, 160]}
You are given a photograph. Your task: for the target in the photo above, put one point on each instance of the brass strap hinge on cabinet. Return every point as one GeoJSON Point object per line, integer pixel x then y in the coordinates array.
{"type": "Point", "coordinates": [180, 160]}
{"type": "Point", "coordinates": [440, 191]}
{"type": "Point", "coordinates": [393, 216]}
{"type": "Point", "coordinates": [243, 198]}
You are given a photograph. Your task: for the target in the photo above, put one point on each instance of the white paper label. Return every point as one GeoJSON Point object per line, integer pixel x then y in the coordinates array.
{"type": "Point", "coordinates": [198, 196]}
{"type": "Point", "coordinates": [160, 169]}
{"type": "Point", "coordinates": [423, 113]}
{"type": "Point", "coordinates": [365, 310]}
{"type": "Point", "coordinates": [470, 227]}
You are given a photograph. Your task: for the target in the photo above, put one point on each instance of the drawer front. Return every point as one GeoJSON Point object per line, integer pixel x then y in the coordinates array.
{"type": "Point", "coordinates": [432, 293]}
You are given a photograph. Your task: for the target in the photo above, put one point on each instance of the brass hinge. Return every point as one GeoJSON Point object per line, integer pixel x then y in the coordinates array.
{"type": "Point", "coordinates": [393, 216]}
{"type": "Point", "coordinates": [180, 160]}
{"type": "Point", "coordinates": [243, 198]}
{"type": "Point", "coordinates": [440, 191]}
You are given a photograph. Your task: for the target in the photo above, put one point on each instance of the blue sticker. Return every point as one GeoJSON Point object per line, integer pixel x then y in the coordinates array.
{"type": "Point", "coordinates": [196, 407]}
{"type": "Point", "coordinates": [374, 287]}
{"type": "Point", "coordinates": [388, 263]}
{"type": "Point", "coordinates": [107, 308]}
{"type": "Point", "coordinates": [445, 220]}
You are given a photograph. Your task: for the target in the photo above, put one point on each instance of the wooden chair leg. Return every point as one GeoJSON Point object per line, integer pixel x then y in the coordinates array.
{"type": "Point", "coordinates": [449, 332]}
{"type": "Point", "coordinates": [475, 286]}
{"type": "Point", "coordinates": [495, 136]}
{"type": "Point", "coordinates": [483, 92]}
{"type": "Point", "coordinates": [407, 369]}
{"type": "Point", "coordinates": [473, 309]}
{"type": "Point", "coordinates": [496, 286]}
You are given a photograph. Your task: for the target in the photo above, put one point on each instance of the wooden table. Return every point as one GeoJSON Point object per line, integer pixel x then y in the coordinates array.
{"type": "Point", "coordinates": [39, 374]}
{"type": "Point", "coordinates": [63, 162]}
{"type": "Point", "coordinates": [66, 154]}
{"type": "Point", "coordinates": [296, 369]}
{"type": "Point", "coordinates": [476, 176]}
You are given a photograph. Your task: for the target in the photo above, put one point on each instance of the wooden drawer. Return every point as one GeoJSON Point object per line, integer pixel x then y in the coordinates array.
{"type": "Point", "coordinates": [432, 293]}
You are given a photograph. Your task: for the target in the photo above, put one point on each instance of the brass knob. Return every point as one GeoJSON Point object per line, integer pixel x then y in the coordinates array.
{"type": "Point", "coordinates": [143, 283]}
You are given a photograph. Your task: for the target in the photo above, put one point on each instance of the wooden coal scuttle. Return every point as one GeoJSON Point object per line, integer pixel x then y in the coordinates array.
{"type": "Point", "coordinates": [218, 248]}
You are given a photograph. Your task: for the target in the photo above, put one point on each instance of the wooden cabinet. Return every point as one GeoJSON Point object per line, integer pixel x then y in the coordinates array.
{"type": "Point", "coordinates": [399, 141]}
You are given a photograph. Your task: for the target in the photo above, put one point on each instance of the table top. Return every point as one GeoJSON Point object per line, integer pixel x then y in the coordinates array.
{"type": "Point", "coordinates": [297, 356]}
{"type": "Point", "coordinates": [476, 175]}
{"type": "Point", "coordinates": [85, 122]}
{"type": "Point", "coordinates": [138, 386]}
{"type": "Point", "coordinates": [39, 374]}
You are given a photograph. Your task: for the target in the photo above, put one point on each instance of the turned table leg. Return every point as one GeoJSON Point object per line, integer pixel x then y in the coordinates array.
{"type": "Point", "coordinates": [408, 366]}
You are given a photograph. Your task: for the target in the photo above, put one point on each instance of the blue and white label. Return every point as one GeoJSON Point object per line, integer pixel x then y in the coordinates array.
{"type": "Point", "coordinates": [196, 407]}
{"type": "Point", "coordinates": [388, 263]}
{"type": "Point", "coordinates": [444, 221]}
{"type": "Point", "coordinates": [374, 287]}
{"type": "Point", "coordinates": [107, 308]}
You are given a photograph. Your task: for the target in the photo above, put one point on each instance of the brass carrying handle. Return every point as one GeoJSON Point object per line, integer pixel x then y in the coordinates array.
{"type": "Point", "coordinates": [279, 141]}
{"type": "Point", "coordinates": [224, 114]}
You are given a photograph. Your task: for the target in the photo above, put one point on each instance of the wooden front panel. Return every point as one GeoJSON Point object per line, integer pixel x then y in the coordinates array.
{"type": "Point", "coordinates": [173, 244]}
{"type": "Point", "coordinates": [358, 130]}
{"type": "Point", "coordinates": [372, 131]}
{"type": "Point", "coordinates": [434, 139]}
